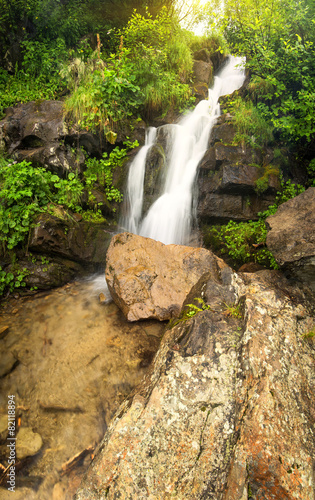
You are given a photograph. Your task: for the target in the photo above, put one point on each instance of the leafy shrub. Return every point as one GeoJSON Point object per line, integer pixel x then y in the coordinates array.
{"type": "Point", "coordinates": [24, 191]}
{"type": "Point", "coordinates": [104, 94]}
{"type": "Point", "coordinates": [12, 280]}
{"type": "Point", "coordinates": [162, 61]}
{"type": "Point", "coordinates": [311, 172]}
{"type": "Point", "coordinates": [101, 171]}
{"type": "Point", "coordinates": [38, 77]}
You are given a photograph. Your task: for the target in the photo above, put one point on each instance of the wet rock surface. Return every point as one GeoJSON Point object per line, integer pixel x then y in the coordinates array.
{"type": "Point", "coordinates": [79, 241]}
{"type": "Point", "coordinates": [148, 279]}
{"type": "Point", "coordinates": [28, 443]}
{"type": "Point", "coordinates": [227, 410]}
{"type": "Point", "coordinates": [229, 177]}
{"type": "Point", "coordinates": [291, 237]}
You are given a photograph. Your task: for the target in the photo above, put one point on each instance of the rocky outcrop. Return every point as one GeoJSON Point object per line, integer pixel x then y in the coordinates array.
{"type": "Point", "coordinates": [78, 241]}
{"type": "Point", "coordinates": [205, 64]}
{"type": "Point", "coordinates": [291, 237]}
{"type": "Point", "coordinates": [36, 132]}
{"type": "Point", "coordinates": [234, 181]}
{"type": "Point", "coordinates": [60, 249]}
{"type": "Point", "coordinates": [148, 279]}
{"type": "Point", "coordinates": [39, 132]}
{"type": "Point", "coordinates": [227, 412]}
{"type": "Point", "coordinates": [202, 76]}
{"type": "Point", "coordinates": [43, 271]}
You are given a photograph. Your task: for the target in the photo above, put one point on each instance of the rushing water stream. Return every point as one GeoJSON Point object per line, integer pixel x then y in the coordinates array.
{"type": "Point", "coordinates": [169, 219]}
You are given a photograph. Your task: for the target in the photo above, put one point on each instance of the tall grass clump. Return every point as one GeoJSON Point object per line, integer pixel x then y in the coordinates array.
{"type": "Point", "coordinates": [251, 127]}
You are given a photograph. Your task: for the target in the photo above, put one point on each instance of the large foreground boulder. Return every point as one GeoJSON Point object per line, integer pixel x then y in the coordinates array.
{"type": "Point", "coordinates": [291, 236]}
{"type": "Point", "coordinates": [227, 412]}
{"type": "Point", "coordinates": [148, 279]}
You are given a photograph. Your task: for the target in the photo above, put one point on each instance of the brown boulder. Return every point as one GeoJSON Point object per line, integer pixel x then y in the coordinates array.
{"type": "Point", "coordinates": [148, 279]}
{"type": "Point", "coordinates": [291, 236]}
{"type": "Point", "coordinates": [203, 72]}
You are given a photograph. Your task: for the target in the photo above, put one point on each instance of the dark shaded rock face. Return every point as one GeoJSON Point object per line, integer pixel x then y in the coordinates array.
{"type": "Point", "coordinates": [230, 179]}
{"type": "Point", "coordinates": [227, 411]}
{"type": "Point", "coordinates": [291, 237]}
{"type": "Point", "coordinates": [154, 175]}
{"type": "Point", "coordinates": [38, 132]}
{"type": "Point", "coordinates": [44, 273]}
{"type": "Point", "coordinates": [78, 241]}
{"type": "Point", "coordinates": [61, 249]}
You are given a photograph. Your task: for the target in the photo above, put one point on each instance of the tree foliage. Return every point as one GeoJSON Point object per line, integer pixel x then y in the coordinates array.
{"type": "Point", "coordinates": [277, 39]}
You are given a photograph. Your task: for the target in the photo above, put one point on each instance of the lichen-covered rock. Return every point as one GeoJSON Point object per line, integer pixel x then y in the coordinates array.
{"type": "Point", "coordinates": [148, 279]}
{"type": "Point", "coordinates": [291, 236]}
{"type": "Point", "coordinates": [227, 412]}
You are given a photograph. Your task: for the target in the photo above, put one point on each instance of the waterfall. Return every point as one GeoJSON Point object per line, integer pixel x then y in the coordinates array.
{"type": "Point", "coordinates": [169, 219]}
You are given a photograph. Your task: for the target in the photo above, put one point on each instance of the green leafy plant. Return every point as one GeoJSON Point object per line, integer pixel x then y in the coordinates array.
{"type": "Point", "coordinates": [277, 39]}
{"type": "Point", "coordinates": [10, 281]}
{"type": "Point", "coordinates": [24, 190]}
{"type": "Point", "coordinates": [193, 309]}
{"type": "Point", "coordinates": [68, 191]}
{"type": "Point", "coordinates": [309, 335]}
{"type": "Point", "coordinates": [251, 126]}
{"type": "Point", "coordinates": [233, 310]}
{"type": "Point", "coordinates": [101, 171]}
{"type": "Point", "coordinates": [104, 93]}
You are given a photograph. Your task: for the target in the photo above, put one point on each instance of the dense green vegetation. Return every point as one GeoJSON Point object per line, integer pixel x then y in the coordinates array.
{"type": "Point", "coordinates": [112, 64]}
{"type": "Point", "coordinates": [277, 39]}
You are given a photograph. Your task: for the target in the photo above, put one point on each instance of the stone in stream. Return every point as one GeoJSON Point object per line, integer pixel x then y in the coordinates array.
{"type": "Point", "coordinates": [148, 279]}
{"type": "Point", "coordinates": [7, 362]}
{"type": "Point", "coordinates": [28, 443]}
{"type": "Point", "coordinates": [228, 410]}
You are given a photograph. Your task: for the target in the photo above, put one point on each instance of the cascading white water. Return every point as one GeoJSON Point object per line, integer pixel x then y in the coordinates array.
{"type": "Point", "coordinates": [135, 182]}
{"type": "Point", "coordinates": [169, 218]}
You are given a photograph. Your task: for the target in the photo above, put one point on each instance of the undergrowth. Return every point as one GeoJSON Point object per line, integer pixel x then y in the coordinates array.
{"type": "Point", "coordinates": [27, 191]}
{"type": "Point", "coordinates": [243, 242]}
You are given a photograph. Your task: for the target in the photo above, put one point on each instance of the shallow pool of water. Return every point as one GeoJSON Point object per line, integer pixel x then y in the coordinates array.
{"type": "Point", "coordinates": [69, 360]}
